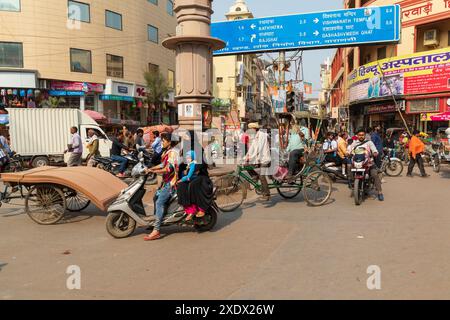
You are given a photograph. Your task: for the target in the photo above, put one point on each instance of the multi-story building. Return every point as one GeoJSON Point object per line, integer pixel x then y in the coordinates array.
{"type": "Point", "coordinates": [91, 53]}
{"type": "Point", "coordinates": [372, 83]}
{"type": "Point", "coordinates": [235, 76]}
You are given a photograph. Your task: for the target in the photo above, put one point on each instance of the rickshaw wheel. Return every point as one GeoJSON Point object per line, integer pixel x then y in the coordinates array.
{"type": "Point", "coordinates": [76, 202]}
{"type": "Point", "coordinates": [45, 204]}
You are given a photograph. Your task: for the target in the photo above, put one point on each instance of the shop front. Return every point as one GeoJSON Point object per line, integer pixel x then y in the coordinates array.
{"type": "Point", "coordinates": [119, 104]}
{"type": "Point", "coordinates": [388, 116]}
{"type": "Point", "coordinates": [424, 108]}
{"type": "Point", "coordinates": [18, 89]}
{"type": "Point", "coordinates": [78, 95]}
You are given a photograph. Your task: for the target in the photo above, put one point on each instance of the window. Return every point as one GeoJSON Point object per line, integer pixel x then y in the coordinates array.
{"type": "Point", "coordinates": [170, 79]}
{"type": "Point", "coordinates": [169, 7]}
{"type": "Point", "coordinates": [424, 105]}
{"type": "Point", "coordinates": [152, 34]}
{"type": "Point", "coordinates": [153, 68]}
{"type": "Point", "coordinates": [113, 20]}
{"type": "Point", "coordinates": [381, 53]}
{"type": "Point", "coordinates": [114, 66]}
{"type": "Point", "coordinates": [10, 5]}
{"type": "Point", "coordinates": [79, 11]}
{"type": "Point", "coordinates": [80, 61]}
{"type": "Point", "coordinates": [11, 54]}
{"type": "Point", "coordinates": [155, 2]}
{"type": "Point", "coordinates": [219, 80]}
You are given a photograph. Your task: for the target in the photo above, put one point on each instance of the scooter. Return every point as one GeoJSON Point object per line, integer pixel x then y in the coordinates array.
{"type": "Point", "coordinates": [128, 212]}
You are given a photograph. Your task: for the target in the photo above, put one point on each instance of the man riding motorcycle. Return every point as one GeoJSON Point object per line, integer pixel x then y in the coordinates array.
{"type": "Point", "coordinates": [362, 142]}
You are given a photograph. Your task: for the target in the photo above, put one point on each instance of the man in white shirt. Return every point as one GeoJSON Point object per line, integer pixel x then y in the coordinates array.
{"type": "Point", "coordinates": [259, 155]}
{"type": "Point", "coordinates": [330, 147]}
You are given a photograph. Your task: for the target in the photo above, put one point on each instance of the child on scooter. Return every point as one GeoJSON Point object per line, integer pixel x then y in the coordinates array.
{"type": "Point", "coordinates": [188, 176]}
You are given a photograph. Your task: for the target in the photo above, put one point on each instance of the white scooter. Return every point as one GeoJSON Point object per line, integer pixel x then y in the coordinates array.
{"type": "Point", "coordinates": [128, 211]}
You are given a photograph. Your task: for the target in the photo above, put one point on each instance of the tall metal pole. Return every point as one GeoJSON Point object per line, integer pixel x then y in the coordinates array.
{"type": "Point", "coordinates": [282, 66]}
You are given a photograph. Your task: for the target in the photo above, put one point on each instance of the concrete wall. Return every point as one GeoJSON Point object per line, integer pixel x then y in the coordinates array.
{"type": "Point", "coordinates": [42, 27]}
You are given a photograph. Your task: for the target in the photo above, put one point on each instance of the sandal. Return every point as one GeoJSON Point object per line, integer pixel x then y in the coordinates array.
{"type": "Point", "coordinates": [153, 236]}
{"type": "Point", "coordinates": [200, 214]}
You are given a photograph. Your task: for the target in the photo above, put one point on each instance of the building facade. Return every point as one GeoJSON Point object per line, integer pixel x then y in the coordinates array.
{"type": "Point", "coordinates": [92, 54]}
{"type": "Point", "coordinates": [235, 77]}
{"type": "Point", "coordinates": [370, 84]}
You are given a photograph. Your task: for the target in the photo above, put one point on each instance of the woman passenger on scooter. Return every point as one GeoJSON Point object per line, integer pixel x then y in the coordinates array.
{"type": "Point", "coordinates": [169, 171]}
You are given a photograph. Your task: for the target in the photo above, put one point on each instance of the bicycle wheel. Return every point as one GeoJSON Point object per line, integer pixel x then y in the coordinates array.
{"type": "Point", "coordinates": [76, 202]}
{"type": "Point", "coordinates": [317, 188]}
{"type": "Point", "coordinates": [394, 168]}
{"type": "Point", "coordinates": [290, 190]}
{"type": "Point", "coordinates": [45, 204]}
{"type": "Point", "coordinates": [231, 192]}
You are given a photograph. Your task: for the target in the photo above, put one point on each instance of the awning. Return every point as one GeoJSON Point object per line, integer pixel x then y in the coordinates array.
{"type": "Point", "coordinates": [97, 116]}
{"type": "Point", "coordinates": [441, 117]}
{"type": "Point", "coordinates": [110, 97]}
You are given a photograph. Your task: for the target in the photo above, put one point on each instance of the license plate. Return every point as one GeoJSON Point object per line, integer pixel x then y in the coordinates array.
{"type": "Point", "coordinates": [358, 170]}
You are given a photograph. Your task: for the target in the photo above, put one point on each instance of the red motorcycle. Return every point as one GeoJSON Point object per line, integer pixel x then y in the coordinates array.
{"type": "Point", "coordinates": [363, 183]}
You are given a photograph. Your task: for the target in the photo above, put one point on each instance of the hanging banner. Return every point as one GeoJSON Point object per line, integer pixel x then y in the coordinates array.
{"type": "Point", "coordinates": [419, 73]}
{"type": "Point", "coordinates": [308, 88]}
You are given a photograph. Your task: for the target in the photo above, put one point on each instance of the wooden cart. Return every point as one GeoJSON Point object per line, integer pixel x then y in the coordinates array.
{"type": "Point", "coordinates": [49, 191]}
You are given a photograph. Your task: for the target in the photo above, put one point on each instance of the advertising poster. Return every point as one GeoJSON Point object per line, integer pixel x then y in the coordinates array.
{"type": "Point", "coordinates": [419, 73]}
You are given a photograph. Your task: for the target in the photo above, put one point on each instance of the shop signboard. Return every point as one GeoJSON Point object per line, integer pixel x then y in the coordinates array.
{"type": "Point", "coordinates": [109, 97]}
{"type": "Point", "coordinates": [419, 73]}
{"type": "Point", "coordinates": [76, 86]}
{"type": "Point", "coordinates": [62, 93]}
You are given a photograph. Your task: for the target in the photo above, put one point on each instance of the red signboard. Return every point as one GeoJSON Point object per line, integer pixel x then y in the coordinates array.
{"type": "Point", "coordinates": [77, 86]}
{"type": "Point", "coordinates": [437, 81]}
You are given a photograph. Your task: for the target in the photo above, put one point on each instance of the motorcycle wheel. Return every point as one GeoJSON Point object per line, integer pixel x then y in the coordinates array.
{"type": "Point", "coordinates": [120, 225]}
{"type": "Point", "coordinates": [357, 192]}
{"type": "Point", "coordinates": [394, 168]}
{"type": "Point", "coordinates": [208, 222]}
{"type": "Point", "coordinates": [436, 164]}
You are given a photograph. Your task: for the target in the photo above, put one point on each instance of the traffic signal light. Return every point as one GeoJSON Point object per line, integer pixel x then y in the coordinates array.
{"type": "Point", "coordinates": [290, 101]}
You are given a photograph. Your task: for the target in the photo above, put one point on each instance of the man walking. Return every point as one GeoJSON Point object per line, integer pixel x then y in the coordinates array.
{"type": "Point", "coordinates": [93, 147]}
{"type": "Point", "coordinates": [416, 149]}
{"type": "Point", "coordinates": [378, 142]}
{"type": "Point", "coordinates": [75, 149]}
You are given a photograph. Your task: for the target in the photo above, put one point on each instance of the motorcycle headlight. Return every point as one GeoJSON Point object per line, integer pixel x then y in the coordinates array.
{"type": "Point", "coordinates": [358, 165]}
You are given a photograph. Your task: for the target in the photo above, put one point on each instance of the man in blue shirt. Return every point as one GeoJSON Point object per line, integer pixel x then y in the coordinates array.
{"type": "Point", "coordinates": [378, 142]}
{"type": "Point", "coordinates": [157, 148]}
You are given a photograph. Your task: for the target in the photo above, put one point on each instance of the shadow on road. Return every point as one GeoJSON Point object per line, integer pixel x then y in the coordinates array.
{"type": "Point", "coordinates": [2, 265]}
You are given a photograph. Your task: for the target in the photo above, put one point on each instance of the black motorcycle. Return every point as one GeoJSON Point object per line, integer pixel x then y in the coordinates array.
{"type": "Point", "coordinates": [111, 166]}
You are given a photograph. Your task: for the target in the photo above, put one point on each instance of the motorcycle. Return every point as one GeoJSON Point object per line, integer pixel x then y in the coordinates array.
{"type": "Point", "coordinates": [128, 212]}
{"type": "Point", "coordinates": [334, 171]}
{"type": "Point", "coordinates": [112, 166]}
{"type": "Point", "coordinates": [391, 166]}
{"type": "Point", "coordinates": [363, 183]}
{"type": "Point", "coordinates": [442, 156]}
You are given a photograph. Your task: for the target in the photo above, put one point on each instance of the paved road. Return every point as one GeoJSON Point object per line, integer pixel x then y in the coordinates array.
{"type": "Point", "coordinates": [279, 250]}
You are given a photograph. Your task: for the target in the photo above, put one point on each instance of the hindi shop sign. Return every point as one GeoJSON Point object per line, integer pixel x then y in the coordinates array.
{"type": "Point", "coordinates": [414, 10]}
{"type": "Point", "coordinates": [419, 73]}
{"type": "Point", "coordinates": [348, 27]}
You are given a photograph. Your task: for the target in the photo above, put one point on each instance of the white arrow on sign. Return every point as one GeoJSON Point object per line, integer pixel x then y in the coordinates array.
{"type": "Point", "coordinates": [253, 26]}
{"type": "Point", "coordinates": [316, 33]}
{"type": "Point", "coordinates": [316, 20]}
{"type": "Point", "coordinates": [253, 38]}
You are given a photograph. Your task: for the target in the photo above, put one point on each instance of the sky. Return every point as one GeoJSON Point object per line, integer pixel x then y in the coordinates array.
{"type": "Point", "coordinates": [265, 8]}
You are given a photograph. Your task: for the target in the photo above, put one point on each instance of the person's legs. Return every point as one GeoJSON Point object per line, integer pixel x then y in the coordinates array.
{"type": "Point", "coordinates": [412, 163]}
{"type": "Point", "coordinates": [263, 178]}
{"type": "Point", "coordinates": [419, 160]}
{"type": "Point", "coordinates": [123, 163]}
{"type": "Point", "coordinates": [164, 196]}
{"type": "Point", "coordinates": [294, 157]}
{"type": "Point", "coordinates": [73, 160]}
{"type": "Point", "coordinates": [376, 178]}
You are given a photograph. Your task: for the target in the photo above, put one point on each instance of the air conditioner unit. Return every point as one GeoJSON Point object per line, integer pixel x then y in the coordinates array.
{"type": "Point", "coordinates": [431, 38]}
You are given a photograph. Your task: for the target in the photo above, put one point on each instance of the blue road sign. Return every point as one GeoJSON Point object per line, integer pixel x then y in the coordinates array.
{"type": "Point", "coordinates": [337, 28]}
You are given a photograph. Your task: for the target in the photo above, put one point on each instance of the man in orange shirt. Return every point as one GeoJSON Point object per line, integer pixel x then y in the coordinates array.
{"type": "Point", "coordinates": [416, 149]}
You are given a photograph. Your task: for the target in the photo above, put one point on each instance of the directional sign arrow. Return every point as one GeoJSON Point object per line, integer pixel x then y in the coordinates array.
{"type": "Point", "coordinates": [316, 33]}
{"type": "Point", "coordinates": [316, 20]}
{"type": "Point", "coordinates": [253, 37]}
{"type": "Point", "coordinates": [253, 26]}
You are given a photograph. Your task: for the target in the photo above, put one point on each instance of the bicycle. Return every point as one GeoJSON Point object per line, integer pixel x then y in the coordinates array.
{"type": "Point", "coordinates": [315, 185]}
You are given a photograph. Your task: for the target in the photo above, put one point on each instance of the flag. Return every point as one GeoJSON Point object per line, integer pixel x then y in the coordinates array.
{"type": "Point", "coordinates": [308, 88]}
